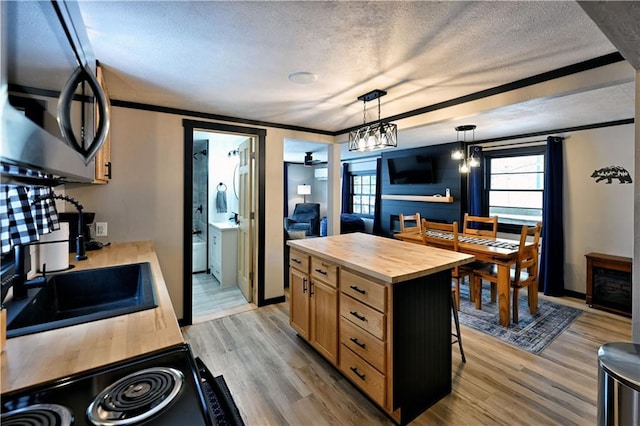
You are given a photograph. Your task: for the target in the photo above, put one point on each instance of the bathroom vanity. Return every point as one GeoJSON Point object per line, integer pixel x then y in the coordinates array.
{"type": "Point", "coordinates": [223, 252]}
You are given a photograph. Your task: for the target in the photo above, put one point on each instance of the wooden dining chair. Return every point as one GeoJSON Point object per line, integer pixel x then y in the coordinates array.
{"type": "Point", "coordinates": [445, 236]}
{"type": "Point", "coordinates": [523, 274]}
{"type": "Point", "coordinates": [481, 226]}
{"type": "Point", "coordinates": [410, 218]}
{"type": "Point", "coordinates": [485, 226]}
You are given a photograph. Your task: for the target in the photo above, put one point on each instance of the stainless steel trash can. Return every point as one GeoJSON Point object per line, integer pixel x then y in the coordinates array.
{"type": "Point", "coordinates": [619, 384]}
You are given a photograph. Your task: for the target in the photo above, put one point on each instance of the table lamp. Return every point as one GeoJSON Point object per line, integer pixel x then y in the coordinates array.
{"type": "Point", "coordinates": [304, 190]}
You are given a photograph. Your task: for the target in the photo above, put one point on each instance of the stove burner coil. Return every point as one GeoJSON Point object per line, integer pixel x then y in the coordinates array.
{"type": "Point", "coordinates": [136, 397]}
{"type": "Point", "coordinates": [38, 415]}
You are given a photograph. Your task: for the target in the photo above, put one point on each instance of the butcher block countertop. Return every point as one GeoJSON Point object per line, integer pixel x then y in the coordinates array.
{"type": "Point", "coordinates": [36, 358]}
{"type": "Point", "coordinates": [389, 260]}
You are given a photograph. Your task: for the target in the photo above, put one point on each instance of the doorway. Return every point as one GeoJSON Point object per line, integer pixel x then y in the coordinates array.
{"type": "Point", "coordinates": [222, 214]}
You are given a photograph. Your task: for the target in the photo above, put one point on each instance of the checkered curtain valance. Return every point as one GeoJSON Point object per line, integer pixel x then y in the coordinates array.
{"type": "Point", "coordinates": [22, 218]}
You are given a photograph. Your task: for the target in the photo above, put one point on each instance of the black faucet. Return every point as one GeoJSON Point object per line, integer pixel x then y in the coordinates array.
{"type": "Point", "coordinates": [81, 253]}
{"type": "Point", "coordinates": [19, 280]}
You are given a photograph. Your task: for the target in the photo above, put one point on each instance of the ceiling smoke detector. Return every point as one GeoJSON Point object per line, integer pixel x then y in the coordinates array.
{"type": "Point", "coordinates": [303, 77]}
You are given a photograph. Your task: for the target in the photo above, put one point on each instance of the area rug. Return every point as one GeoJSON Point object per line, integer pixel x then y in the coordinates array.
{"type": "Point", "coordinates": [531, 333]}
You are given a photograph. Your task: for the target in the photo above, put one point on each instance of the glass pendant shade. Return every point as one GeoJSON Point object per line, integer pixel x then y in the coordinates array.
{"type": "Point", "coordinates": [457, 154]}
{"type": "Point", "coordinates": [374, 136]}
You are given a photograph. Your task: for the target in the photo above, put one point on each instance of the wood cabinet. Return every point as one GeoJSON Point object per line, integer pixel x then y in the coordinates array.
{"type": "Point", "coordinates": [314, 302]}
{"type": "Point", "coordinates": [363, 334]}
{"type": "Point", "coordinates": [299, 302]}
{"type": "Point", "coordinates": [223, 252]}
{"type": "Point", "coordinates": [103, 157]}
{"type": "Point", "coordinates": [385, 306]}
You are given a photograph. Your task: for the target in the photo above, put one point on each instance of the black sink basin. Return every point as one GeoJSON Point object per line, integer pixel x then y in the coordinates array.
{"type": "Point", "coordinates": [82, 296]}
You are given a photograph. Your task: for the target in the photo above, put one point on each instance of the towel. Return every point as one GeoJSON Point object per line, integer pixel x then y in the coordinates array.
{"type": "Point", "coordinates": [221, 201]}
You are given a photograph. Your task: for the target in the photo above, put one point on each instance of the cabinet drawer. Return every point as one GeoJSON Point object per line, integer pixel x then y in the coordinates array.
{"type": "Point", "coordinates": [364, 290]}
{"type": "Point", "coordinates": [363, 316]}
{"type": "Point", "coordinates": [299, 260]}
{"type": "Point", "coordinates": [363, 375]}
{"type": "Point", "coordinates": [324, 271]}
{"type": "Point", "coordinates": [363, 344]}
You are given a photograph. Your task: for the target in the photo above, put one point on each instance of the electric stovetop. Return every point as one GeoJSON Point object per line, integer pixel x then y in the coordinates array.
{"type": "Point", "coordinates": [159, 388]}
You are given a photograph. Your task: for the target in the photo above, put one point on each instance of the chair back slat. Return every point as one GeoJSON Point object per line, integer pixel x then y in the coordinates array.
{"type": "Point", "coordinates": [410, 218]}
{"type": "Point", "coordinates": [528, 255]}
{"type": "Point", "coordinates": [442, 235]}
{"type": "Point", "coordinates": [480, 225]}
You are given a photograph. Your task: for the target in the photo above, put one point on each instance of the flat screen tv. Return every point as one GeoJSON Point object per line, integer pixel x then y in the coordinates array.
{"type": "Point", "coordinates": [410, 169]}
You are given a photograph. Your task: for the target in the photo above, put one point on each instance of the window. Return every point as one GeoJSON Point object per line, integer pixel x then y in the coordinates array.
{"type": "Point", "coordinates": [363, 193]}
{"type": "Point", "coordinates": [515, 186]}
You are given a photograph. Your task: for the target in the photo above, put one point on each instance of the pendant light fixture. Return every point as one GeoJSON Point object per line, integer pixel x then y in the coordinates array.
{"type": "Point", "coordinates": [459, 153]}
{"type": "Point", "coordinates": [373, 136]}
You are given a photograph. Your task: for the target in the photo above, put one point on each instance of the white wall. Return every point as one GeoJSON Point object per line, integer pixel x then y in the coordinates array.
{"type": "Point", "coordinates": [298, 174]}
{"type": "Point", "coordinates": [221, 170]}
{"type": "Point", "coordinates": [144, 200]}
{"type": "Point", "coordinates": [598, 217]}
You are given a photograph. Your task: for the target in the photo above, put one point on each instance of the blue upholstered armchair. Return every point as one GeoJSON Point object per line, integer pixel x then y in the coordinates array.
{"type": "Point", "coordinates": [305, 217]}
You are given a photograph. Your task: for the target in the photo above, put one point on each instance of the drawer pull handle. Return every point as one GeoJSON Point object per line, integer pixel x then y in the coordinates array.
{"type": "Point", "coordinates": [298, 261]}
{"type": "Point", "coordinates": [310, 288]}
{"type": "Point", "coordinates": [321, 271]}
{"type": "Point", "coordinates": [304, 285]}
{"type": "Point", "coordinates": [355, 340]}
{"type": "Point", "coordinates": [360, 317]}
{"type": "Point", "coordinates": [357, 373]}
{"type": "Point", "coordinates": [355, 288]}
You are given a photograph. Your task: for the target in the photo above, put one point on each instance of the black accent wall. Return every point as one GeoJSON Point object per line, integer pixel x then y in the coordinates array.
{"type": "Point", "coordinates": [446, 175]}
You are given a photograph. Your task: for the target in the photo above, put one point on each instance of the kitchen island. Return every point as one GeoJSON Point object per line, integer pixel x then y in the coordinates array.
{"type": "Point", "coordinates": [35, 358]}
{"type": "Point", "coordinates": [379, 310]}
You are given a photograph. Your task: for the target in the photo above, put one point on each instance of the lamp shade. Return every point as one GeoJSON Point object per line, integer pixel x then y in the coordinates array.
{"type": "Point", "coordinates": [304, 189]}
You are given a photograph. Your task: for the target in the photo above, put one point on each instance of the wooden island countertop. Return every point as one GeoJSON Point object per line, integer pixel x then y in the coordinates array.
{"type": "Point", "coordinates": [389, 260]}
{"type": "Point", "coordinates": [36, 358]}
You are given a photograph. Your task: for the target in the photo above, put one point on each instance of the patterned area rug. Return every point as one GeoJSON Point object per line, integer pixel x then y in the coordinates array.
{"type": "Point", "coordinates": [532, 334]}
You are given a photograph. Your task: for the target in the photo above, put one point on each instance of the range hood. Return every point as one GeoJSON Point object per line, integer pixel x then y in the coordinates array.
{"type": "Point", "coordinates": [48, 68]}
{"type": "Point", "coordinates": [30, 147]}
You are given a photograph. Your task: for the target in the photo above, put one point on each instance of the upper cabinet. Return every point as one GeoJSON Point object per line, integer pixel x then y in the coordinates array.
{"type": "Point", "coordinates": [103, 157]}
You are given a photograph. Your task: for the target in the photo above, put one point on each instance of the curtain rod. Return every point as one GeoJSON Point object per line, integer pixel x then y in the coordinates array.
{"type": "Point", "coordinates": [360, 160]}
{"type": "Point", "coordinates": [489, 146]}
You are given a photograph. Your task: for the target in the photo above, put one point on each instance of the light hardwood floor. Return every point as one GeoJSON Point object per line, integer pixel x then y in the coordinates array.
{"type": "Point", "coordinates": [277, 379]}
{"type": "Point", "coordinates": [211, 301]}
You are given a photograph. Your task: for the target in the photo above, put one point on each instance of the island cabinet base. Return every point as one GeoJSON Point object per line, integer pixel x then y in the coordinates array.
{"type": "Point", "coordinates": [390, 321]}
{"type": "Point", "coordinates": [394, 339]}
{"type": "Point", "coordinates": [421, 344]}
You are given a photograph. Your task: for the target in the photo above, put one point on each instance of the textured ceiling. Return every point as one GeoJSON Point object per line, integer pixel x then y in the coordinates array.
{"type": "Point", "coordinates": [234, 58]}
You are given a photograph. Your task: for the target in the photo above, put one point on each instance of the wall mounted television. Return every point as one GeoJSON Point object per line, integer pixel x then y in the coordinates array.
{"type": "Point", "coordinates": [414, 169]}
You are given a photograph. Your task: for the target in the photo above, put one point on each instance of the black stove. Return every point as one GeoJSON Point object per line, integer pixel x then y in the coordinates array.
{"type": "Point", "coordinates": [159, 388]}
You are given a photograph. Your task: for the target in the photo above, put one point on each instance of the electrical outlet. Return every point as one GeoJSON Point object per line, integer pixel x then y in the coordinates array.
{"type": "Point", "coordinates": [101, 229]}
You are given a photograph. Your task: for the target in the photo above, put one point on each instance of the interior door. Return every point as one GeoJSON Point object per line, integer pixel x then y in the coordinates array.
{"type": "Point", "coordinates": [245, 218]}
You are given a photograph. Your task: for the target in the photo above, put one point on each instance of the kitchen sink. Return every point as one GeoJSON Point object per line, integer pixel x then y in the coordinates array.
{"type": "Point", "coordinates": [77, 297]}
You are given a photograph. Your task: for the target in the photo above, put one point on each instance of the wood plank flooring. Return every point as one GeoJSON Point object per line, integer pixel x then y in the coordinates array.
{"type": "Point", "coordinates": [211, 301]}
{"type": "Point", "coordinates": [277, 379]}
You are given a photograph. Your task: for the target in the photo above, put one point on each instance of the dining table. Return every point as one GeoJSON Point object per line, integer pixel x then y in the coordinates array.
{"type": "Point", "coordinates": [500, 251]}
